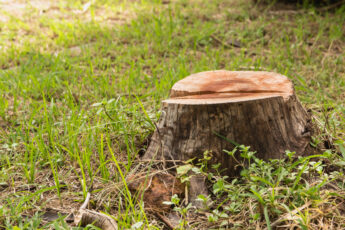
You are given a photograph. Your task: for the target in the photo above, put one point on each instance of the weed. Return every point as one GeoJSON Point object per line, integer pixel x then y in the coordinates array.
{"type": "Point", "coordinates": [122, 57]}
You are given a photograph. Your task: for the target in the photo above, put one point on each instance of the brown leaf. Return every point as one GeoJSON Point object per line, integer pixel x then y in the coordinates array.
{"type": "Point", "coordinates": [157, 188]}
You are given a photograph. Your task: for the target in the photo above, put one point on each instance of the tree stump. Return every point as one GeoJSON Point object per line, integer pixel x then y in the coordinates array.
{"type": "Point", "coordinates": [256, 109]}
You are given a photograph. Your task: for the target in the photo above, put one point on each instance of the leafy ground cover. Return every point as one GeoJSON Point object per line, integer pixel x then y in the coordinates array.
{"type": "Point", "coordinates": [82, 82]}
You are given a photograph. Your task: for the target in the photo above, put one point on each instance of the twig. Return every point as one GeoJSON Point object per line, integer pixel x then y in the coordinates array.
{"type": "Point", "coordinates": [186, 194]}
{"type": "Point", "coordinates": [252, 68]}
{"type": "Point", "coordinates": [106, 113]}
{"type": "Point", "coordinates": [291, 215]}
{"type": "Point", "coordinates": [280, 12]}
{"type": "Point", "coordinates": [257, 226]}
{"type": "Point", "coordinates": [145, 161]}
{"type": "Point", "coordinates": [165, 220]}
{"type": "Point", "coordinates": [86, 202]}
{"type": "Point", "coordinates": [325, 129]}
{"type": "Point", "coordinates": [326, 8]}
{"type": "Point", "coordinates": [103, 221]}
{"type": "Point", "coordinates": [227, 45]}
{"type": "Point", "coordinates": [85, 217]}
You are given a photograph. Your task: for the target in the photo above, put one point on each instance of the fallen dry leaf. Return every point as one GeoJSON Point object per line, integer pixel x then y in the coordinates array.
{"type": "Point", "coordinates": [157, 188]}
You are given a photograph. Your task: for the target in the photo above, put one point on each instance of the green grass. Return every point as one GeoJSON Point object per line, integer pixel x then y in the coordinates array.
{"type": "Point", "coordinates": [79, 90]}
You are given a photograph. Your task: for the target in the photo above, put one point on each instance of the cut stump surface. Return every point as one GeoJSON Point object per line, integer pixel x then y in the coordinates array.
{"type": "Point", "coordinates": [207, 109]}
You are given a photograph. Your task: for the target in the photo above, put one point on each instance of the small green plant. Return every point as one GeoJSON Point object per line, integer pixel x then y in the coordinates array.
{"type": "Point", "coordinates": [74, 77]}
{"type": "Point", "coordinates": [182, 210]}
{"type": "Point", "coordinates": [267, 185]}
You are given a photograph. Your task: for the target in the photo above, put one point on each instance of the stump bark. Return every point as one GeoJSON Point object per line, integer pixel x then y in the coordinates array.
{"type": "Point", "coordinates": [256, 109]}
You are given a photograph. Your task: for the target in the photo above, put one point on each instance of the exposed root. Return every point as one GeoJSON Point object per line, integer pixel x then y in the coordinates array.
{"type": "Point", "coordinates": [85, 217]}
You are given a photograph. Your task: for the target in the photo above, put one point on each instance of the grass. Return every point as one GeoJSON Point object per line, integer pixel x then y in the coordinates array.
{"type": "Point", "coordinates": [82, 84]}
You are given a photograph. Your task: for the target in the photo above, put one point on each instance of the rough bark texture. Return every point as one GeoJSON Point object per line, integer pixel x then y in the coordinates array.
{"type": "Point", "coordinates": [100, 220]}
{"type": "Point", "coordinates": [257, 109]}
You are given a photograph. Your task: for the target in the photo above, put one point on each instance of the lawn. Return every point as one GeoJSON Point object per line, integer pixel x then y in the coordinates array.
{"type": "Point", "coordinates": [81, 85]}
